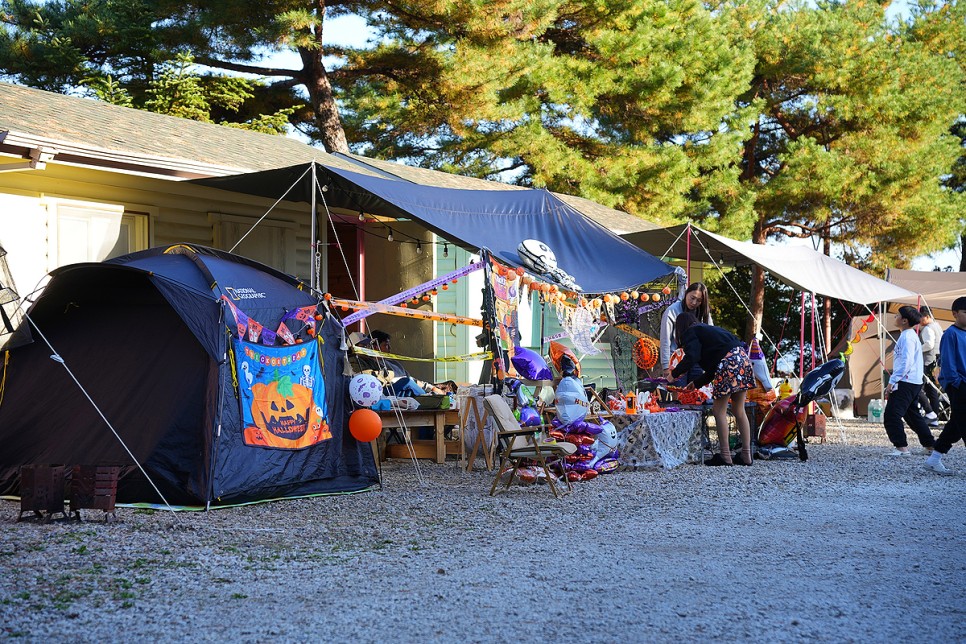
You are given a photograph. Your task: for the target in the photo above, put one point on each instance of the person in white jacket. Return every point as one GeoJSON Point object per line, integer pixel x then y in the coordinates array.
{"type": "Point", "coordinates": [695, 301]}
{"type": "Point", "coordinates": [931, 335]}
{"type": "Point", "coordinates": [905, 385]}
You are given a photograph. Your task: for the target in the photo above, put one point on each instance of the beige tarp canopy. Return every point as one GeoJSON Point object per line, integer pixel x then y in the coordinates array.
{"type": "Point", "coordinates": [937, 288]}
{"type": "Point", "coordinates": [798, 266]}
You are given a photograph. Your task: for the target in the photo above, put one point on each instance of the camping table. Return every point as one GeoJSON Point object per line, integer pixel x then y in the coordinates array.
{"type": "Point", "coordinates": [438, 448]}
{"type": "Point", "coordinates": [667, 438]}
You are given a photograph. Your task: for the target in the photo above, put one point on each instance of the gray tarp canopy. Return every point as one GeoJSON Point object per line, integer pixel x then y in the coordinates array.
{"type": "Point", "coordinates": [798, 266]}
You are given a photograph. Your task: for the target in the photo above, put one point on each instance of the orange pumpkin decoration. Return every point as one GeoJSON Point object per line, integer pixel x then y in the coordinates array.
{"type": "Point", "coordinates": [285, 416]}
{"type": "Point", "coordinates": [645, 352]}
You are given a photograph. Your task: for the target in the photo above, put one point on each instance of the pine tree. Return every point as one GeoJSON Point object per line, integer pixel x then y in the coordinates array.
{"type": "Point", "coordinates": [851, 137]}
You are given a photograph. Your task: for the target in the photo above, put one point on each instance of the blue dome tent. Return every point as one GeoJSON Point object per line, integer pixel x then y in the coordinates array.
{"type": "Point", "coordinates": [153, 339]}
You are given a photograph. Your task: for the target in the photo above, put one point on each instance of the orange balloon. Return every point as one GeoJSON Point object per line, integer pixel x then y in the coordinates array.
{"type": "Point", "coordinates": [365, 425]}
{"type": "Point", "coordinates": [666, 290]}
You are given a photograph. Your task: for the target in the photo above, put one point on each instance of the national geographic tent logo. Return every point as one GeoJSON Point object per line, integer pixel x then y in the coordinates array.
{"type": "Point", "coordinates": [245, 293]}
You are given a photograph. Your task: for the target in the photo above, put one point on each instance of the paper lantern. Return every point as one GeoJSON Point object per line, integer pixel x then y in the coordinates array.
{"type": "Point", "coordinates": [646, 351]}
{"type": "Point", "coordinates": [365, 425]}
{"type": "Point", "coordinates": [656, 298]}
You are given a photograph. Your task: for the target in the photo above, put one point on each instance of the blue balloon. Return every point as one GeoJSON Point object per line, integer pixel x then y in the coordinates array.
{"type": "Point", "coordinates": [571, 400]}
{"type": "Point", "coordinates": [529, 417]}
{"type": "Point", "coordinates": [530, 364]}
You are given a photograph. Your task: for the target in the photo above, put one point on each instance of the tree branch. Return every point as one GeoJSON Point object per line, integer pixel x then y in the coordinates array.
{"type": "Point", "coordinates": [247, 69]}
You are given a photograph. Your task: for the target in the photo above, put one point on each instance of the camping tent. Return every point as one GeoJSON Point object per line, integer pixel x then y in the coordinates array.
{"type": "Point", "coordinates": [497, 220]}
{"type": "Point", "coordinates": [151, 338]}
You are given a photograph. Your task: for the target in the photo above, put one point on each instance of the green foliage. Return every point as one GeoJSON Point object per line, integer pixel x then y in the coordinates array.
{"type": "Point", "coordinates": [132, 53]}
{"type": "Point", "coordinates": [756, 117]}
{"type": "Point", "coordinates": [851, 137]}
{"type": "Point", "coordinates": [619, 102]}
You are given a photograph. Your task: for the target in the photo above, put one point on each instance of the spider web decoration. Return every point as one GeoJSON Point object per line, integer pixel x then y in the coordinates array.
{"type": "Point", "coordinates": [622, 355]}
{"type": "Point", "coordinates": [580, 325]}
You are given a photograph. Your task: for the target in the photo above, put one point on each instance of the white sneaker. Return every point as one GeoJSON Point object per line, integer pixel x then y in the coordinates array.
{"type": "Point", "coordinates": [938, 467]}
{"type": "Point", "coordinates": [934, 423]}
{"type": "Point", "coordinates": [899, 452]}
{"type": "Point", "coordinates": [932, 416]}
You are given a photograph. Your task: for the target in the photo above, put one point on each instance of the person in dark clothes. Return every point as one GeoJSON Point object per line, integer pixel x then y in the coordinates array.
{"type": "Point", "coordinates": [952, 376]}
{"type": "Point", "coordinates": [727, 367]}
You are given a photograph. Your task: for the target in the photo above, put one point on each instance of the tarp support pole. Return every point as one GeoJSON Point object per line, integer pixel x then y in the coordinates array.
{"type": "Point", "coordinates": [801, 340]}
{"type": "Point", "coordinates": [313, 245]}
{"type": "Point", "coordinates": [688, 253]}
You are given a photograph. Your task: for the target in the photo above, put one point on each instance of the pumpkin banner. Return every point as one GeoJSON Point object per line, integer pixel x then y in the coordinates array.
{"type": "Point", "coordinates": [282, 395]}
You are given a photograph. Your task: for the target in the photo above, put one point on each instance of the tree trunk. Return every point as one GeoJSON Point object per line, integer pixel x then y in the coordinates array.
{"type": "Point", "coordinates": [317, 83]}
{"type": "Point", "coordinates": [962, 253]}
{"type": "Point", "coordinates": [758, 236]}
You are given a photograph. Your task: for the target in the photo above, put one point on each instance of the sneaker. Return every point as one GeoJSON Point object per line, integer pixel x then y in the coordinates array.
{"type": "Point", "coordinates": [934, 423]}
{"type": "Point", "coordinates": [931, 416]}
{"type": "Point", "coordinates": [938, 467]}
{"type": "Point", "coordinates": [899, 452]}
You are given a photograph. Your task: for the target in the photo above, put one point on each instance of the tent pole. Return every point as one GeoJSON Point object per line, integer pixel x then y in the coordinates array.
{"type": "Point", "coordinates": [313, 244]}
{"type": "Point", "coordinates": [543, 319]}
{"type": "Point", "coordinates": [801, 340]}
{"type": "Point", "coordinates": [688, 253]}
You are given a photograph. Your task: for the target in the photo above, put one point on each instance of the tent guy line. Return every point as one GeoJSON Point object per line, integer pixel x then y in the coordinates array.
{"type": "Point", "coordinates": [56, 357]}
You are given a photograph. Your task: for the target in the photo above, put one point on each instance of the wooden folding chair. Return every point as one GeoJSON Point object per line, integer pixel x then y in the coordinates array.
{"type": "Point", "coordinates": [524, 443]}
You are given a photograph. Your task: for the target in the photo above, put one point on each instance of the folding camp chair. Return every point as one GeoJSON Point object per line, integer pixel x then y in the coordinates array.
{"type": "Point", "coordinates": [524, 443]}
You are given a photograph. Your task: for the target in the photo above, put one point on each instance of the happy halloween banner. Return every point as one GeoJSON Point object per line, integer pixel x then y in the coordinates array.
{"type": "Point", "coordinates": [282, 395]}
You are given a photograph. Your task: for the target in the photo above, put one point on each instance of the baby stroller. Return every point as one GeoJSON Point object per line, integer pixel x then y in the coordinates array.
{"type": "Point", "coordinates": [944, 407]}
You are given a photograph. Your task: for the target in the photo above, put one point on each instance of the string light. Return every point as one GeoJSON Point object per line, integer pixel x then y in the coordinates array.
{"type": "Point", "coordinates": [445, 250]}
{"type": "Point", "coordinates": [419, 248]}
{"type": "Point", "coordinates": [362, 216]}
{"type": "Point", "coordinates": [389, 238]}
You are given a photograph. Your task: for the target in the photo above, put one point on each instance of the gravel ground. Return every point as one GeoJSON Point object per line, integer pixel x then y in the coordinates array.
{"type": "Point", "coordinates": [849, 546]}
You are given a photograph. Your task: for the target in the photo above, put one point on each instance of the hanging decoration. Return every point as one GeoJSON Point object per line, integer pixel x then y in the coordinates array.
{"type": "Point", "coordinates": [282, 396]}
{"type": "Point", "coordinates": [646, 351]}
{"type": "Point", "coordinates": [377, 307]}
{"type": "Point", "coordinates": [467, 357]}
{"type": "Point", "coordinates": [505, 285]}
{"type": "Point", "coordinates": [416, 291]}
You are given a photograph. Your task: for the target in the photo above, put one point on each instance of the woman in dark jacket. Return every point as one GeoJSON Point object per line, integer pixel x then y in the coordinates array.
{"type": "Point", "coordinates": [727, 367]}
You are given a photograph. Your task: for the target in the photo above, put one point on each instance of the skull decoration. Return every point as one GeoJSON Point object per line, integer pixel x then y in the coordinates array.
{"type": "Point", "coordinates": [537, 256]}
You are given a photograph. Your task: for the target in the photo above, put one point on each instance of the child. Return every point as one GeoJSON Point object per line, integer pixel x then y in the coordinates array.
{"type": "Point", "coordinates": [905, 385]}
{"type": "Point", "coordinates": [952, 376]}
